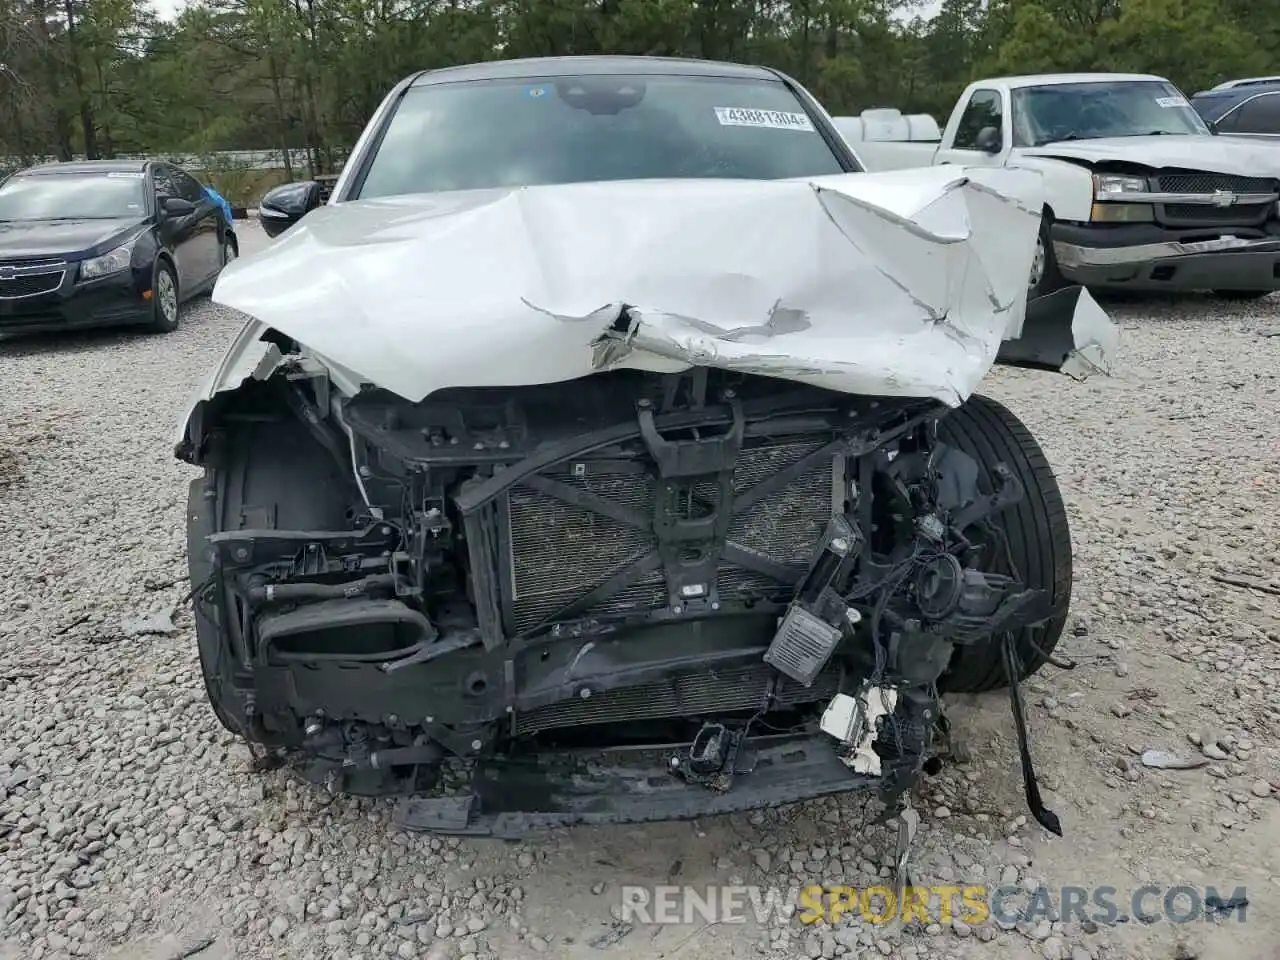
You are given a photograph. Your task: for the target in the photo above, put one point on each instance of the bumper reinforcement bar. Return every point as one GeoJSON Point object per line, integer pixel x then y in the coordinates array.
{"type": "Point", "coordinates": [515, 798]}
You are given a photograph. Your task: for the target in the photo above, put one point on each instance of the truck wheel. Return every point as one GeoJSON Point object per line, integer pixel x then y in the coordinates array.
{"type": "Point", "coordinates": [1045, 277]}
{"type": "Point", "coordinates": [1037, 533]}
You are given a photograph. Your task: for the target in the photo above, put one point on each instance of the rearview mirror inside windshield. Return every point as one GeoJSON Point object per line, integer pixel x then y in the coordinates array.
{"type": "Point", "coordinates": [601, 95]}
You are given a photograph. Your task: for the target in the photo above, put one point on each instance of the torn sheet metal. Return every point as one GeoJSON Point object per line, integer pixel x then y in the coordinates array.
{"type": "Point", "coordinates": [1065, 331]}
{"type": "Point", "coordinates": [897, 284]}
{"type": "Point", "coordinates": [249, 357]}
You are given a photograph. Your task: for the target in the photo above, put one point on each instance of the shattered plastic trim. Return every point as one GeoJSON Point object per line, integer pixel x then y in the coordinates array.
{"type": "Point", "coordinates": [853, 721]}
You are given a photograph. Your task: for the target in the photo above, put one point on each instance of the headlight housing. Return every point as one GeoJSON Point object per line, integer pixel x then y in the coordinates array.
{"type": "Point", "coordinates": [113, 261]}
{"type": "Point", "coordinates": [1109, 186]}
{"type": "Point", "coordinates": [1117, 198]}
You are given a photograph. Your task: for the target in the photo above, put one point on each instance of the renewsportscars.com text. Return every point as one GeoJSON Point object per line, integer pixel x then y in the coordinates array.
{"type": "Point", "coordinates": [973, 904]}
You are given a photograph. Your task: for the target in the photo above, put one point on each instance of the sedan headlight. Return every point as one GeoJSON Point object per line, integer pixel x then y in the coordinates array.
{"type": "Point", "coordinates": [111, 262]}
{"type": "Point", "coordinates": [1108, 186]}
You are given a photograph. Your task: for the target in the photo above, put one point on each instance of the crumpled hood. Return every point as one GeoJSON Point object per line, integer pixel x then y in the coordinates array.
{"type": "Point", "coordinates": [1214, 154]}
{"type": "Point", "coordinates": [894, 284]}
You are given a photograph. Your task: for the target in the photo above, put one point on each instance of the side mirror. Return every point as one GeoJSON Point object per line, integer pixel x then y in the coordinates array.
{"type": "Point", "coordinates": [285, 205]}
{"type": "Point", "coordinates": [177, 207]}
{"type": "Point", "coordinates": [989, 140]}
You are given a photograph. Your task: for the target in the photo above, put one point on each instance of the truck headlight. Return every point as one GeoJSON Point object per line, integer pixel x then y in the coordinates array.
{"type": "Point", "coordinates": [1109, 186]}
{"type": "Point", "coordinates": [113, 261]}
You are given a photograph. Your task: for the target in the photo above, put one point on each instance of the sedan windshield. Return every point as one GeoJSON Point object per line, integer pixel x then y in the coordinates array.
{"type": "Point", "coordinates": [1089, 111]}
{"type": "Point", "coordinates": [512, 133]}
{"type": "Point", "coordinates": [61, 196]}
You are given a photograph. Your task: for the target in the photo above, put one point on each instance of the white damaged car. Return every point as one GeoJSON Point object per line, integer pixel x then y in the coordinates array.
{"type": "Point", "coordinates": [608, 434]}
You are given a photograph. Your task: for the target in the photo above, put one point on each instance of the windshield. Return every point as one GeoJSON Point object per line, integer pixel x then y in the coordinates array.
{"type": "Point", "coordinates": [512, 133]}
{"type": "Point", "coordinates": [61, 196]}
{"type": "Point", "coordinates": [1087, 111]}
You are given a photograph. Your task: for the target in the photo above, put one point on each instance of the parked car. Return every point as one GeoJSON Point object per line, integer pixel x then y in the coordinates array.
{"type": "Point", "coordinates": [1248, 110]}
{"type": "Point", "coordinates": [610, 429]}
{"type": "Point", "coordinates": [1141, 194]}
{"type": "Point", "coordinates": [1243, 82]}
{"type": "Point", "coordinates": [106, 243]}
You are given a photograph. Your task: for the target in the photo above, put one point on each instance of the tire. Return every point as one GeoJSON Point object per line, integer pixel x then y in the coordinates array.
{"type": "Point", "coordinates": [1242, 294]}
{"type": "Point", "coordinates": [214, 668]}
{"type": "Point", "coordinates": [1045, 277]}
{"type": "Point", "coordinates": [230, 249]}
{"type": "Point", "coordinates": [165, 301]}
{"type": "Point", "coordinates": [1038, 535]}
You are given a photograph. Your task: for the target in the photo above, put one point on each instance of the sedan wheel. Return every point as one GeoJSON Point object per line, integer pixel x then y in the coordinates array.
{"type": "Point", "coordinates": [228, 252]}
{"type": "Point", "coordinates": [165, 299]}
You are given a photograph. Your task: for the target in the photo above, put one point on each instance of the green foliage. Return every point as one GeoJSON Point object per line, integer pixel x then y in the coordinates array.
{"type": "Point", "coordinates": [106, 77]}
{"type": "Point", "coordinates": [233, 178]}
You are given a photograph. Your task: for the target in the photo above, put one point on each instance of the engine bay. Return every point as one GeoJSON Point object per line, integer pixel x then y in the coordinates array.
{"type": "Point", "coordinates": [695, 564]}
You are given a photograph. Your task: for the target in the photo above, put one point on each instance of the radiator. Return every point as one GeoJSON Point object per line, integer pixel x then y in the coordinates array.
{"type": "Point", "coordinates": [558, 552]}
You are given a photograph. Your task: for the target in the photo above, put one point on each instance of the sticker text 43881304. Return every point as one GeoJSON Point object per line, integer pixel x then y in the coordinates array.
{"type": "Point", "coordinates": [773, 119]}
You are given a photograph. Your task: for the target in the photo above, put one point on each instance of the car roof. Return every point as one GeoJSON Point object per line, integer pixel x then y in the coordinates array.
{"type": "Point", "coordinates": [1239, 93]}
{"type": "Point", "coordinates": [1055, 79]}
{"type": "Point", "coordinates": [592, 66]}
{"type": "Point", "coordinates": [90, 166]}
{"type": "Point", "coordinates": [1244, 82]}
{"type": "Point", "coordinates": [1213, 104]}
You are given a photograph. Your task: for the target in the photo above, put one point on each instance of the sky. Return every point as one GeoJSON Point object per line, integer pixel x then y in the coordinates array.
{"type": "Point", "coordinates": [168, 9]}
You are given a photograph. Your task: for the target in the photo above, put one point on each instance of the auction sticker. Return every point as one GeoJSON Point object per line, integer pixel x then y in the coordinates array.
{"type": "Point", "coordinates": [773, 119]}
{"type": "Point", "coordinates": [1172, 102]}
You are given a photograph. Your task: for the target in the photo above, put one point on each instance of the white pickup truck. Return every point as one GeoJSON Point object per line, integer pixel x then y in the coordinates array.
{"type": "Point", "coordinates": [1141, 195]}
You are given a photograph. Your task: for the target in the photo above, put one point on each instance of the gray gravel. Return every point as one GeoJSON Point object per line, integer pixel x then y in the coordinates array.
{"type": "Point", "coordinates": [132, 826]}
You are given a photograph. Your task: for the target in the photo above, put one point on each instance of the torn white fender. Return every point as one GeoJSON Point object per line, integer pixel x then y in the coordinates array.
{"type": "Point", "coordinates": [898, 284]}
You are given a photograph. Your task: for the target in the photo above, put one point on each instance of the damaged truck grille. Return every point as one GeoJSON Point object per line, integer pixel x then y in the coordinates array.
{"type": "Point", "coordinates": [714, 692]}
{"type": "Point", "coordinates": [1202, 182]}
{"type": "Point", "coordinates": [560, 551]}
{"type": "Point", "coordinates": [1197, 181]}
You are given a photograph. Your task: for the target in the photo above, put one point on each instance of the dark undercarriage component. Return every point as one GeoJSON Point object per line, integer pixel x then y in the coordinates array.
{"type": "Point", "coordinates": [628, 597]}
{"type": "Point", "coordinates": [515, 799]}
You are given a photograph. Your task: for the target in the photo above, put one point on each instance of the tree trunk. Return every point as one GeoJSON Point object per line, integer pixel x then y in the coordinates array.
{"type": "Point", "coordinates": [805, 58]}
{"type": "Point", "coordinates": [48, 62]}
{"type": "Point", "coordinates": [108, 148]}
{"type": "Point", "coordinates": [77, 78]}
{"type": "Point", "coordinates": [277, 97]}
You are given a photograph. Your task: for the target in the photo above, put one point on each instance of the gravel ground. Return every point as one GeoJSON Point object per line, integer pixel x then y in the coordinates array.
{"type": "Point", "coordinates": [132, 826]}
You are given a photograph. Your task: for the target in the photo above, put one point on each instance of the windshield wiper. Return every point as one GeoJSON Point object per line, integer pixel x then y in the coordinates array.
{"type": "Point", "coordinates": [1069, 136]}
